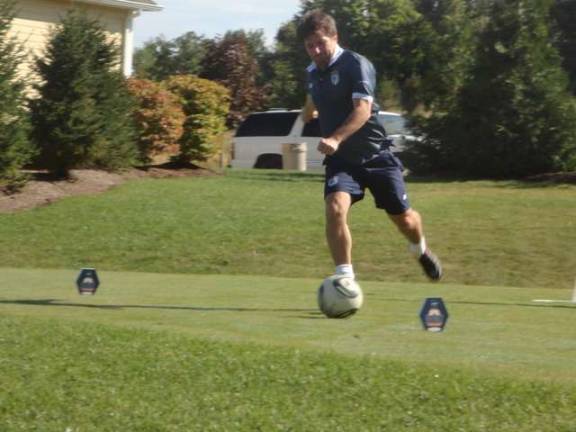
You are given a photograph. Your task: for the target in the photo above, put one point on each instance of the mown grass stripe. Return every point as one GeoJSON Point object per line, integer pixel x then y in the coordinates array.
{"type": "Point", "coordinates": [93, 377]}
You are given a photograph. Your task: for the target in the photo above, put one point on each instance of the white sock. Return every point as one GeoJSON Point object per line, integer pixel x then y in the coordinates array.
{"type": "Point", "coordinates": [345, 269]}
{"type": "Point", "coordinates": [418, 249]}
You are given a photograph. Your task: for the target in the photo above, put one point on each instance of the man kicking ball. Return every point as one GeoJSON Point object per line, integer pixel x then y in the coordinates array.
{"type": "Point", "coordinates": [341, 86]}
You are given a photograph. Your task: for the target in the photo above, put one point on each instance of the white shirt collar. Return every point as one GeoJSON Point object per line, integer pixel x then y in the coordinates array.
{"type": "Point", "coordinates": [337, 53]}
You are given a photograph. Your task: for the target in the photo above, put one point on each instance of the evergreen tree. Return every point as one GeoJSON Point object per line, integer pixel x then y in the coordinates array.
{"type": "Point", "coordinates": [84, 115]}
{"type": "Point", "coordinates": [564, 33]}
{"type": "Point", "coordinates": [15, 148]}
{"type": "Point", "coordinates": [513, 116]}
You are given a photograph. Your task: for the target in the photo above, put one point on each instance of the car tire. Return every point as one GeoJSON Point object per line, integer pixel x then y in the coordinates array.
{"type": "Point", "coordinates": [268, 161]}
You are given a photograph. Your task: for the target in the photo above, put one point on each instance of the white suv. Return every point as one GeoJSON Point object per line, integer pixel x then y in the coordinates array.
{"type": "Point", "coordinates": [258, 140]}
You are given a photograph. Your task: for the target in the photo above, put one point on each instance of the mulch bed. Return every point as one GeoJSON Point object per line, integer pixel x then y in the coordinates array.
{"type": "Point", "coordinates": [43, 189]}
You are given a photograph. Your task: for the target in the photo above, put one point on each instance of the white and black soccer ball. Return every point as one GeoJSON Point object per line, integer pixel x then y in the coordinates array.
{"type": "Point", "coordinates": [339, 296]}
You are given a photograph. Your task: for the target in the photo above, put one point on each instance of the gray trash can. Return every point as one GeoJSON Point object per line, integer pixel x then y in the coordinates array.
{"type": "Point", "coordinates": [294, 156]}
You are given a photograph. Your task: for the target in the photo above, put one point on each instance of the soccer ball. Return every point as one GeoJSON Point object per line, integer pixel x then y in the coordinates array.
{"type": "Point", "coordinates": [339, 296]}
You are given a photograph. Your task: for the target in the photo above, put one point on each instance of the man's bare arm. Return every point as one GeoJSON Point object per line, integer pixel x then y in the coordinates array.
{"type": "Point", "coordinates": [357, 118]}
{"type": "Point", "coordinates": [309, 110]}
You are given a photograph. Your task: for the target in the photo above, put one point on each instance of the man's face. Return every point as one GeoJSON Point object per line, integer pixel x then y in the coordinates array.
{"type": "Point", "coordinates": [320, 48]}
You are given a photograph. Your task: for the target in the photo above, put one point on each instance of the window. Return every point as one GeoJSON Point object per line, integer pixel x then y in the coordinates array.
{"type": "Point", "coordinates": [394, 124]}
{"type": "Point", "coordinates": [267, 124]}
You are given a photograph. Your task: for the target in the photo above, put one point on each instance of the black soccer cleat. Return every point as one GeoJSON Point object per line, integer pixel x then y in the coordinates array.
{"type": "Point", "coordinates": [431, 265]}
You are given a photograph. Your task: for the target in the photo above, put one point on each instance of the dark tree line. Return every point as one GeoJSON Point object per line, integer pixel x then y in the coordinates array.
{"type": "Point", "coordinates": [489, 83]}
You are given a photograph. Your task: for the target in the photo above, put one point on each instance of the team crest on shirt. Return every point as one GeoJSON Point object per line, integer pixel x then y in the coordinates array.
{"type": "Point", "coordinates": [335, 78]}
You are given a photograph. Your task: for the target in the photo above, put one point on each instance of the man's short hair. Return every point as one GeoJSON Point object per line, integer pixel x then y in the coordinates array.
{"type": "Point", "coordinates": [317, 21]}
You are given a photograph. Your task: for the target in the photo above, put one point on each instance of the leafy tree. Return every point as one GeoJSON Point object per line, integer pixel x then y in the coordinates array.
{"type": "Point", "coordinates": [154, 60]}
{"type": "Point", "coordinates": [388, 32]}
{"type": "Point", "coordinates": [83, 115]}
{"type": "Point", "coordinates": [447, 40]}
{"type": "Point", "coordinates": [229, 62]}
{"type": "Point", "coordinates": [159, 119]}
{"type": "Point", "coordinates": [205, 104]}
{"type": "Point", "coordinates": [287, 69]}
{"type": "Point", "coordinates": [285, 90]}
{"type": "Point", "coordinates": [15, 147]}
{"type": "Point", "coordinates": [190, 50]}
{"type": "Point", "coordinates": [254, 38]}
{"type": "Point", "coordinates": [513, 116]}
{"type": "Point", "coordinates": [160, 58]}
{"type": "Point", "coordinates": [257, 49]}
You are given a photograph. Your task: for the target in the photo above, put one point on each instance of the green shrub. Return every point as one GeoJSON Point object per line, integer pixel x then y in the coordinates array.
{"type": "Point", "coordinates": [15, 147]}
{"type": "Point", "coordinates": [83, 117]}
{"type": "Point", "coordinates": [206, 105]}
{"type": "Point", "coordinates": [159, 119]}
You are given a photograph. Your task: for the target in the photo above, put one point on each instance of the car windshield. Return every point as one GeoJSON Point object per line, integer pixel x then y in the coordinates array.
{"type": "Point", "coordinates": [394, 124]}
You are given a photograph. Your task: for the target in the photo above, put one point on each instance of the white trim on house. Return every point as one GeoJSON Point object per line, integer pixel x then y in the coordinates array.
{"type": "Point", "coordinates": [128, 43]}
{"type": "Point", "coordinates": [126, 4]}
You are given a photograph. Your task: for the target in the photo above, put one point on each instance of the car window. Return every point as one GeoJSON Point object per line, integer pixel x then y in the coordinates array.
{"type": "Point", "coordinates": [267, 124]}
{"type": "Point", "coordinates": [312, 128]}
{"type": "Point", "coordinates": [394, 125]}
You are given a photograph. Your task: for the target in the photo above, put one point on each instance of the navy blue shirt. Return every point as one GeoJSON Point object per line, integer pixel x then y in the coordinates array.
{"type": "Point", "coordinates": [333, 89]}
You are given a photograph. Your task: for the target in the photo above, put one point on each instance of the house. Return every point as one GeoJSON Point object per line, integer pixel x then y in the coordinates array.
{"type": "Point", "coordinates": [35, 19]}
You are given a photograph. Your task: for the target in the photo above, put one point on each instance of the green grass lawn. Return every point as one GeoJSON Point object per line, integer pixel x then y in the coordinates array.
{"type": "Point", "coordinates": [271, 223]}
{"type": "Point", "coordinates": [206, 319]}
{"type": "Point", "coordinates": [161, 352]}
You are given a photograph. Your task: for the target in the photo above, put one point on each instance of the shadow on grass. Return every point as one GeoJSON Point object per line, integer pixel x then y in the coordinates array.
{"type": "Point", "coordinates": [411, 178]}
{"type": "Point", "coordinates": [552, 180]}
{"type": "Point", "coordinates": [318, 176]}
{"type": "Point", "coordinates": [537, 182]}
{"type": "Point", "coordinates": [56, 303]}
{"type": "Point", "coordinates": [566, 305]}
{"type": "Point", "coordinates": [533, 185]}
{"type": "Point", "coordinates": [276, 175]}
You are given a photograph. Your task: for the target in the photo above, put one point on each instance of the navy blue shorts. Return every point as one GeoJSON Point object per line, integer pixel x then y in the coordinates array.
{"type": "Point", "coordinates": [382, 176]}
